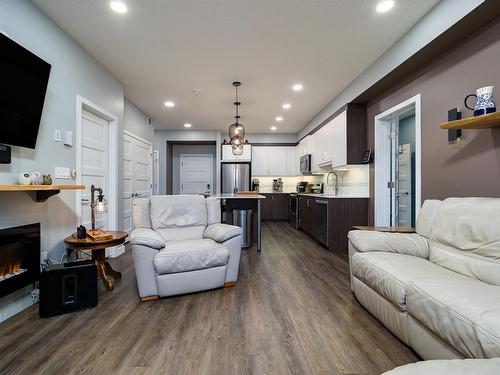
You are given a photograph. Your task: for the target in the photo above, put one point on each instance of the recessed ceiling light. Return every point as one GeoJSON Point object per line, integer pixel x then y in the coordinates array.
{"type": "Point", "coordinates": [273, 128]}
{"type": "Point", "coordinates": [279, 118]}
{"type": "Point", "coordinates": [297, 87]}
{"type": "Point", "coordinates": [187, 125]}
{"type": "Point", "coordinates": [169, 104]}
{"type": "Point", "coordinates": [385, 6]}
{"type": "Point", "coordinates": [118, 6]}
{"type": "Point", "coordinates": [287, 106]}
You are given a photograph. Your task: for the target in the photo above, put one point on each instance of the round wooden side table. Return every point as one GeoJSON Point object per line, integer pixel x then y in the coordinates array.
{"type": "Point", "coordinates": [98, 249]}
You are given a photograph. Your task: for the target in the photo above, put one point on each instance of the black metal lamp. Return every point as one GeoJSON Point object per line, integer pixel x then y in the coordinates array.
{"type": "Point", "coordinates": [98, 205]}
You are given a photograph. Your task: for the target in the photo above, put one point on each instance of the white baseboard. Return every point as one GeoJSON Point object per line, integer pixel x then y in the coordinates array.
{"type": "Point", "coordinates": [113, 252]}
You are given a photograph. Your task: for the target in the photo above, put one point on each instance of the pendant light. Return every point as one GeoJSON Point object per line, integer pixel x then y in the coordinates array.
{"type": "Point", "coordinates": [237, 130]}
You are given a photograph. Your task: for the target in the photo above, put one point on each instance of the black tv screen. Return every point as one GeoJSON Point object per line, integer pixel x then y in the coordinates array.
{"type": "Point", "coordinates": [23, 83]}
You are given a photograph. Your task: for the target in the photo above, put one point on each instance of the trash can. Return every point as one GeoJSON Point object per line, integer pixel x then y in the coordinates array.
{"type": "Point", "coordinates": [243, 219]}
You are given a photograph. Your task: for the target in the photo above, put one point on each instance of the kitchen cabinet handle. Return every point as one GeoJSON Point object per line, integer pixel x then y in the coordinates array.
{"type": "Point", "coordinates": [324, 203]}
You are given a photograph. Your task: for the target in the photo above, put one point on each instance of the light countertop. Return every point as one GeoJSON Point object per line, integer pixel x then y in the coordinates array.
{"type": "Point", "coordinates": [235, 196]}
{"type": "Point", "coordinates": [331, 196]}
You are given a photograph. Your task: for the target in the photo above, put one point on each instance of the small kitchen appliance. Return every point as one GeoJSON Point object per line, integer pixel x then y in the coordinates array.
{"type": "Point", "coordinates": [302, 186]}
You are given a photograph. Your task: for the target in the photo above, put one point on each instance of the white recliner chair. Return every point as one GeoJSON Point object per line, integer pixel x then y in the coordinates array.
{"type": "Point", "coordinates": [180, 246]}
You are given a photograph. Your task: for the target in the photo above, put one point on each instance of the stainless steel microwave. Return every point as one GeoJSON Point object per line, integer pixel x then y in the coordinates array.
{"type": "Point", "coordinates": [305, 164]}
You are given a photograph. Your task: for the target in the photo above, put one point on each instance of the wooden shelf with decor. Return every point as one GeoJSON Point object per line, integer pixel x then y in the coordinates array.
{"type": "Point", "coordinates": [489, 121]}
{"type": "Point", "coordinates": [42, 192]}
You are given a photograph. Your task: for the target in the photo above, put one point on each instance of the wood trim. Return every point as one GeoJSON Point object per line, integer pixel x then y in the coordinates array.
{"type": "Point", "coordinates": [274, 144]}
{"type": "Point", "coordinates": [149, 298]}
{"type": "Point", "coordinates": [230, 284]}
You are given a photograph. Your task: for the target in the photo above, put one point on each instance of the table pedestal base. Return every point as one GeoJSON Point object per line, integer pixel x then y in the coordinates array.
{"type": "Point", "coordinates": [104, 269]}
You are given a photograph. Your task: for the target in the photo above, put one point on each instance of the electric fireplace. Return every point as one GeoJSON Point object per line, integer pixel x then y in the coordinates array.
{"type": "Point", "coordinates": [19, 257]}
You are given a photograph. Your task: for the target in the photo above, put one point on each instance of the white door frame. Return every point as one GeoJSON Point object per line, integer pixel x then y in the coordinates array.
{"type": "Point", "coordinates": [156, 172]}
{"type": "Point", "coordinates": [151, 160]}
{"type": "Point", "coordinates": [212, 190]}
{"type": "Point", "coordinates": [383, 125]}
{"type": "Point", "coordinates": [112, 194]}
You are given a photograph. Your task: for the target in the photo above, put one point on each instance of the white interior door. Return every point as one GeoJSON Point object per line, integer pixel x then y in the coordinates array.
{"type": "Point", "coordinates": [196, 174]}
{"type": "Point", "coordinates": [95, 164]}
{"type": "Point", "coordinates": [137, 157]}
{"type": "Point", "coordinates": [403, 195]}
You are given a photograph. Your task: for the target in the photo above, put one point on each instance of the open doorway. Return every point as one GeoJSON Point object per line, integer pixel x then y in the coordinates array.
{"type": "Point", "coordinates": [398, 164]}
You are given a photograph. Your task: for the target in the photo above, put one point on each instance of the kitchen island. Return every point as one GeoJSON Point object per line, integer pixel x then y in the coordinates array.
{"type": "Point", "coordinates": [230, 202]}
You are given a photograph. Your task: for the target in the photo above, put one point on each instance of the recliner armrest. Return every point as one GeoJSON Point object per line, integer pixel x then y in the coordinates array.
{"type": "Point", "coordinates": [147, 237]}
{"type": "Point", "coordinates": [221, 232]}
{"type": "Point", "coordinates": [401, 243]}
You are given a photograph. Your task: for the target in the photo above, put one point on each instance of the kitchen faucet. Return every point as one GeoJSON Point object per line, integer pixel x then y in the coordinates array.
{"type": "Point", "coordinates": [336, 191]}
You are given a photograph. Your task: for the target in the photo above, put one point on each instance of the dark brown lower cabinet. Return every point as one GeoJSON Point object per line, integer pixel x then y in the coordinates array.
{"type": "Point", "coordinates": [343, 214]}
{"type": "Point", "coordinates": [275, 207]}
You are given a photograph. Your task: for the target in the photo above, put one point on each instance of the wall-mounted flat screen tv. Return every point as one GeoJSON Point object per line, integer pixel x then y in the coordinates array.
{"type": "Point", "coordinates": [23, 83]}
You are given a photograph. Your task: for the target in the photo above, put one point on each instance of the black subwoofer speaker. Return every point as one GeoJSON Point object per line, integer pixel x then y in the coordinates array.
{"type": "Point", "coordinates": [67, 287]}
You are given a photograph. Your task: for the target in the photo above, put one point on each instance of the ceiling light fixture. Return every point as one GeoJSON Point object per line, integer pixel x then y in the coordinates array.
{"type": "Point", "coordinates": [169, 104]}
{"type": "Point", "coordinates": [187, 125]}
{"type": "Point", "coordinates": [279, 118]}
{"type": "Point", "coordinates": [273, 128]}
{"type": "Point", "coordinates": [118, 6]}
{"type": "Point", "coordinates": [237, 130]}
{"type": "Point", "coordinates": [287, 106]}
{"type": "Point", "coordinates": [297, 87]}
{"type": "Point", "coordinates": [385, 6]}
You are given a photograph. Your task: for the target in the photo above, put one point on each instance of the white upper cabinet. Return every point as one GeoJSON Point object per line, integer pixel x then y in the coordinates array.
{"type": "Point", "coordinates": [274, 161]}
{"type": "Point", "coordinates": [260, 161]}
{"type": "Point", "coordinates": [227, 153]}
{"type": "Point", "coordinates": [305, 146]}
{"type": "Point", "coordinates": [292, 161]}
{"type": "Point", "coordinates": [330, 144]}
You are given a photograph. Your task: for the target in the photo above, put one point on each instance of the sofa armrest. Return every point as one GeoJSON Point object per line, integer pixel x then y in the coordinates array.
{"type": "Point", "coordinates": [147, 237]}
{"type": "Point", "coordinates": [401, 243]}
{"type": "Point", "coordinates": [221, 232]}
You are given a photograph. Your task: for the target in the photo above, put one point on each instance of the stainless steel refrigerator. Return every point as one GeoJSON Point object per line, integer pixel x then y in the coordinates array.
{"type": "Point", "coordinates": [235, 177]}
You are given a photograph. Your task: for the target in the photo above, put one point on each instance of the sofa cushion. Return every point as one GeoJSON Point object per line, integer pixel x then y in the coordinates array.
{"type": "Point", "coordinates": [190, 255]}
{"type": "Point", "coordinates": [450, 367]}
{"type": "Point", "coordinates": [402, 243]}
{"type": "Point", "coordinates": [222, 232]}
{"type": "Point", "coordinates": [389, 274]}
{"type": "Point", "coordinates": [140, 213]}
{"type": "Point", "coordinates": [462, 311]}
{"type": "Point", "coordinates": [147, 237]}
{"type": "Point", "coordinates": [181, 234]}
{"type": "Point", "coordinates": [465, 237]}
{"type": "Point", "coordinates": [213, 210]}
{"type": "Point", "coordinates": [178, 211]}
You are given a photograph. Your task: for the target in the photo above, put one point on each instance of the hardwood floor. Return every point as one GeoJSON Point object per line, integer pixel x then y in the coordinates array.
{"type": "Point", "coordinates": [291, 312]}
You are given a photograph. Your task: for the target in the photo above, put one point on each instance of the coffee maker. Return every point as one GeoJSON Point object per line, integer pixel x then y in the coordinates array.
{"type": "Point", "coordinates": [302, 186]}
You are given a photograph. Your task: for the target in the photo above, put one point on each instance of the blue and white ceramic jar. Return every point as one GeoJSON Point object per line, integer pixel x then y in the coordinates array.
{"type": "Point", "coordinates": [484, 103]}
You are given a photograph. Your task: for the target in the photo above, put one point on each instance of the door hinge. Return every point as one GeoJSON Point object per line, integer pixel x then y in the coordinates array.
{"type": "Point", "coordinates": [391, 185]}
{"type": "Point", "coordinates": [391, 135]}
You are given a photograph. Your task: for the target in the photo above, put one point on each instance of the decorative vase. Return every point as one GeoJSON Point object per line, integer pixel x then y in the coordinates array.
{"type": "Point", "coordinates": [484, 103]}
{"type": "Point", "coordinates": [36, 178]}
{"type": "Point", "coordinates": [24, 179]}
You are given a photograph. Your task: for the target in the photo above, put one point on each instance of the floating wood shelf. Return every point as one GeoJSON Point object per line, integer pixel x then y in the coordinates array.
{"type": "Point", "coordinates": [42, 192]}
{"type": "Point", "coordinates": [479, 122]}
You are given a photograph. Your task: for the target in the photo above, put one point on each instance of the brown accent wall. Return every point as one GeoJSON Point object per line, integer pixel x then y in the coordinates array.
{"type": "Point", "coordinates": [471, 167]}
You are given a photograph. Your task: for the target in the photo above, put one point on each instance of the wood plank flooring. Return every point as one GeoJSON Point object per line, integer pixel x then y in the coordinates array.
{"type": "Point", "coordinates": [292, 312]}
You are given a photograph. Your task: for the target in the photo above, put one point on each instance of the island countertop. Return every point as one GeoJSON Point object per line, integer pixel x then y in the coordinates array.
{"type": "Point", "coordinates": [236, 196]}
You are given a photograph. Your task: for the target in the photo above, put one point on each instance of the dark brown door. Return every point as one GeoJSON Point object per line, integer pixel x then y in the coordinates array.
{"type": "Point", "coordinates": [280, 206]}
{"type": "Point", "coordinates": [266, 207]}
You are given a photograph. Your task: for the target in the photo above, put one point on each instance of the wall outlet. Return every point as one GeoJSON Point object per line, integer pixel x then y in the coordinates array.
{"type": "Point", "coordinates": [57, 135]}
{"type": "Point", "coordinates": [68, 138]}
{"type": "Point", "coordinates": [61, 172]}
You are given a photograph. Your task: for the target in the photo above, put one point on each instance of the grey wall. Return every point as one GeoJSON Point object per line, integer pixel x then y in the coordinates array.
{"type": "Point", "coordinates": [136, 121]}
{"type": "Point", "coordinates": [444, 15]}
{"type": "Point", "coordinates": [470, 167]}
{"type": "Point", "coordinates": [74, 72]}
{"type": "Point", "coordinates": [177, 150]}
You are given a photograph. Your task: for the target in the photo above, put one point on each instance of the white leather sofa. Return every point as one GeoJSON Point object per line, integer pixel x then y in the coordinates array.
{"type": "Point", "coordinates": [450, 367]}
{"type": "Point", "coordinates": [180, 246]}
{"type": "Point", "coordinates": [438, 290]}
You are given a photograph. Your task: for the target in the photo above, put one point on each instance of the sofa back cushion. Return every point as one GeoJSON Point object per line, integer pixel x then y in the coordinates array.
{"type": "Point", "coordinates": [178, 217]}
{"type": "Point", "coordinates": [213, 210]}
{"type": "Point", "coordinates": [465, 237]}
{"type": "Point", "coordinates": [140, 213]}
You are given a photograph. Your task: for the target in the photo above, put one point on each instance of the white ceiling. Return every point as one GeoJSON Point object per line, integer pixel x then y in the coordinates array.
{"type": "Point", "coordinates": [162, 49]}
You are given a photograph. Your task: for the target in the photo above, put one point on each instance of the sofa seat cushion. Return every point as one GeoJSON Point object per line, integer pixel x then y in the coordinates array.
{"type": "Point", "coordinates": [389, 273]}
{"type": "Point", "coordinates": [462, 311]}
{"type": "Point", "coordinates": [450, 367]}
{"type": "Point", "coordinates": [190, 255]}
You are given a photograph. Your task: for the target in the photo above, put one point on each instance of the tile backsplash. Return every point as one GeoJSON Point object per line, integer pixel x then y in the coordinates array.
{"type": "Point", "coordinates": [353, 180]}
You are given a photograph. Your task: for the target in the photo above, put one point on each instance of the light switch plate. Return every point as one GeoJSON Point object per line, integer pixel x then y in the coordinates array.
{"type": "Point", "coordinates": [68, 138]}
{"type": "Point", "coordinates": [61, 172]}
{"type": "Point", "coordinates": [57, 135]}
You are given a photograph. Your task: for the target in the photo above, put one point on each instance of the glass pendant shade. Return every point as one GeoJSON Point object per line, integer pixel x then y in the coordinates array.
{"type": "Point", "coordinates": [236, 131]}
{"type": "Point", "coordinates": [238, 150]}
{"type": "Point", "coordinates": [237, 142]}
